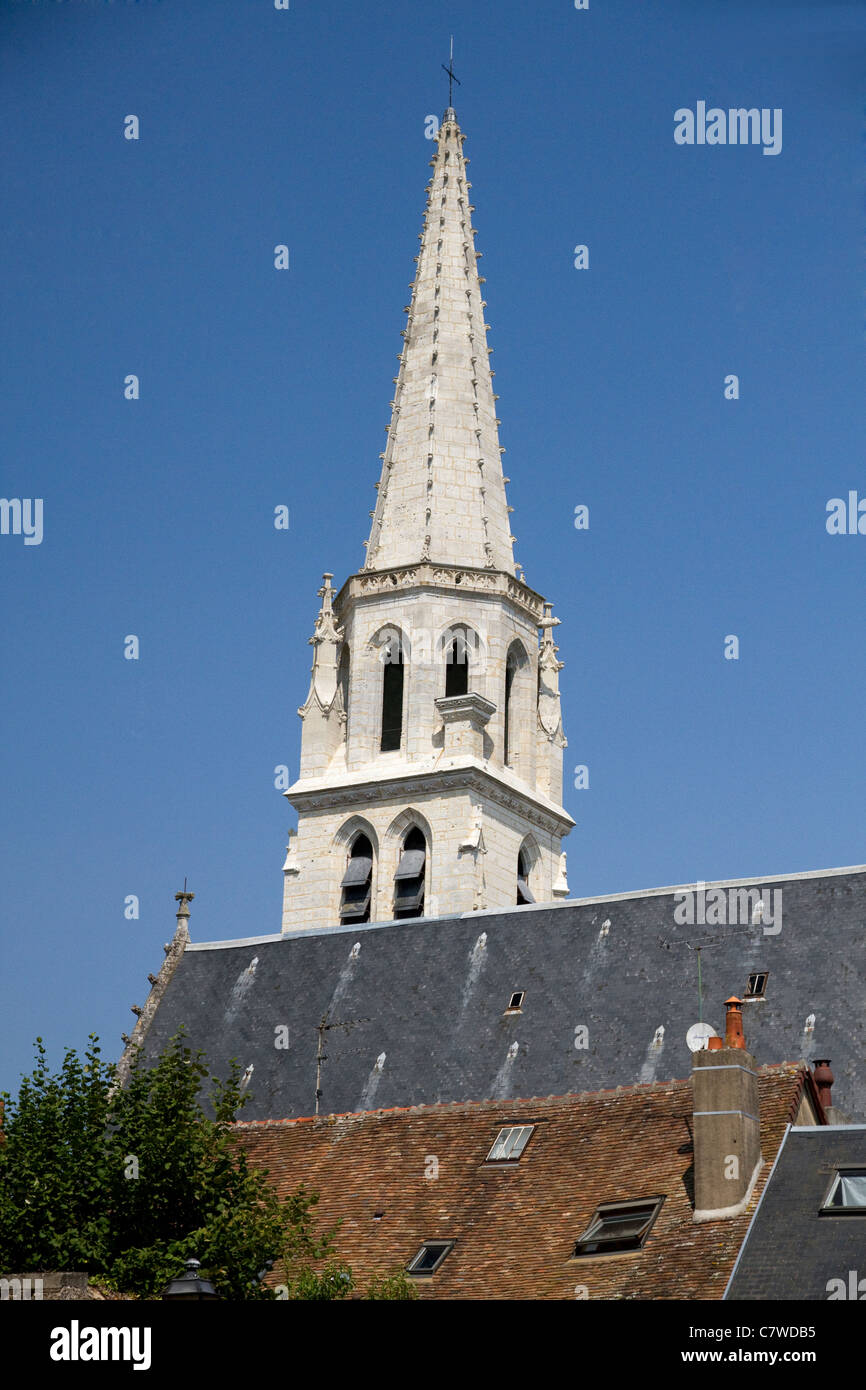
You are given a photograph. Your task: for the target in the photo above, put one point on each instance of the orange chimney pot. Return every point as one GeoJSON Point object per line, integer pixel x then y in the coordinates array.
{"type": "Point", "coordinates": [734, 1022]}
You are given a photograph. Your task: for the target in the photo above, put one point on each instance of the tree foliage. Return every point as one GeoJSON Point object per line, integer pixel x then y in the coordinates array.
{"type": "Point", "coordinates": [393, 1286]}
{"type": "Point", "coordinates": [126, 1183]}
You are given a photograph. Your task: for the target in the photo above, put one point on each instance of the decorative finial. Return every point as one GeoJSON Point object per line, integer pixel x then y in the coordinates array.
{"type": "Point", "coordinates": [184, 899]}
{"type": "Point", "coordinates": [326, 629]}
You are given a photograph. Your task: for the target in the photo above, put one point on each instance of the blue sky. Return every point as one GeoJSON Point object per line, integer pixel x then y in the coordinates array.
{"type": "Point", "coordinates": [707, 516]}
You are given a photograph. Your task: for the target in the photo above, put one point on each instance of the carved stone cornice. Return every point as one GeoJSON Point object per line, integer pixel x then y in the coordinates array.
{"type": "Point", "coordinates": [408, 786]}
{"type": "Point", "coordinates": [471, 706]}
{"type": "Point", "coordinates": [447, 578]}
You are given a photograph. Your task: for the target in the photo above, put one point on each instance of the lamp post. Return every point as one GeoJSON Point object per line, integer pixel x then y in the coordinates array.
{"type": "Point", "coordinates": [188, 1287]}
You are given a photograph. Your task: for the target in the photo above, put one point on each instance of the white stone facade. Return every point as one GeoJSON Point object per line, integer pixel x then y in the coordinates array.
{"type": "Point", "coordinates": [439, 569]}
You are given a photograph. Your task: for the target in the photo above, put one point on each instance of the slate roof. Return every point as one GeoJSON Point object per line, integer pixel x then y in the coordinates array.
{"type": "Point", "coordinates": [424, 1000]}
{"type": "Point", "coordinates": [791, 1250]}
{"type": "Point", "coordinates": [515, 1227]}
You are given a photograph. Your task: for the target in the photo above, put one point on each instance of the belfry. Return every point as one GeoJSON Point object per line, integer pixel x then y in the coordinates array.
{"type": "Point", "coordinates": [431, 756]}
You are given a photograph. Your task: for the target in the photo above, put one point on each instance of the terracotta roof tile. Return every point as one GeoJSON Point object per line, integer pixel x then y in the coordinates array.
{"type": "Point", "coordinates": [515, 1228]}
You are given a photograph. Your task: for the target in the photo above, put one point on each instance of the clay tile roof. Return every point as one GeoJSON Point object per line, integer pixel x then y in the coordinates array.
{"type": "Point", "coordinates": [515, 1227]}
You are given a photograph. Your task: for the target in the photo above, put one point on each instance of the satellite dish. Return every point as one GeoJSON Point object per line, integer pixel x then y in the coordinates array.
{"type": "Point", "coordinates": [698, 1035]}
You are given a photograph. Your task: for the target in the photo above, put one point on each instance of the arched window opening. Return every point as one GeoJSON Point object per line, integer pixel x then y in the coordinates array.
{"type": "Point", "coordinates": [392, 696]}
{"type": "Point", "coordinates": [357, 883]}
{"type": "Point", "coordinates": [409, 878]}
{"type": "Point", "coordinates": [517, 713]}
{"type": "Point", "coordinates": [524, 892]}
{"type": "Point", "coordinates": [457, 666]}
{"type": "Point", "coordinates": [508, 741]}
{"type": "Point", "coordinates": [343, 677]}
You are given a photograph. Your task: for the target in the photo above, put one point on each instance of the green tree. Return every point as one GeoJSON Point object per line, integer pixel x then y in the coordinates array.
{"type": "Point", "coordinates": [126, 1183]}
{"type": "Point", "coordinates": [179, 1185]}
{"type": "Point", "coordinates": [54, 1166]}
{"type": "Point", "coordinates": [305, 1248]}
{"type": "Point", "coordinates": [395, 1285]}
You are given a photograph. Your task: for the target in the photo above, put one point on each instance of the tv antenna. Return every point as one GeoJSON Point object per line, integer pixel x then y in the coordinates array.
{"type": "Point", "coordinates": [698, 944]}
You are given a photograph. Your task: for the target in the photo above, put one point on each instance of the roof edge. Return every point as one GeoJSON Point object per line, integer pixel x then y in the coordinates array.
{"type": "Point", "coordinates": [744, 1242]}
{"type": "Point", "coordinates": [767, 1069]}
{"type": "Point", "coordinates": [339, 927]}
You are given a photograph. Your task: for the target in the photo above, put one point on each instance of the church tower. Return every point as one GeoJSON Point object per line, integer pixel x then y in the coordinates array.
{"type": "Point", "coordinates": [431, 756]}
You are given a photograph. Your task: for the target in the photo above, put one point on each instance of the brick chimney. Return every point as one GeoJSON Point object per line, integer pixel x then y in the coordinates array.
{"type": "Point", "coordinates": [727, 1130]}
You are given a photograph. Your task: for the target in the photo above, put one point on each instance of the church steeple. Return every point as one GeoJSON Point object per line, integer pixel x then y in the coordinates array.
{"type": "Point", "coordinates": [431, 757]}
{"type": "Point", "coordinates": [442, 492]}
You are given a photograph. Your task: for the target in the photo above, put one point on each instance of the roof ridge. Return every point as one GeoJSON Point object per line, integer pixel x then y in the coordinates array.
{"type": "Point", "coordinates": [796, 1068]}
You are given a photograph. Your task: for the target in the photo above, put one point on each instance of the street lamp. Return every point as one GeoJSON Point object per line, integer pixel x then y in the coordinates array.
{"type": "Point", "coordinates": [188, 1287]}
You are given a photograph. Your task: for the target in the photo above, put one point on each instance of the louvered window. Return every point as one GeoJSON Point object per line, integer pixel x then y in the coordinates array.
{"type": "Point", "coordinates": [357, 883]}
{"type": "Point", "coordinates": [409, 880]}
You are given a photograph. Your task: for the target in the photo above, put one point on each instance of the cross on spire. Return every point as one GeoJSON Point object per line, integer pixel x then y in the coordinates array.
{"type": "Point", "coordinates": [451, 78]}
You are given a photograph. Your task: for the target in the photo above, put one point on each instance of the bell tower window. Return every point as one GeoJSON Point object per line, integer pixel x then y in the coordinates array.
{"type": "Point", "coordinates": [392, 697]}
{"type": "Point", "coordinates": [409, 878]}
{"type": "Point", "coordinates": [518, 716]}
{"type": "Point", "coordinates": [357, 882]}
{"type": "Point", "coordinates": [457, 666]}
{"type": "Point", "coordinates": [510, 668]}
{"type": "Point", "coordinates": [343, 677]}
{"type": "Point", "coordinates": [524, 892]}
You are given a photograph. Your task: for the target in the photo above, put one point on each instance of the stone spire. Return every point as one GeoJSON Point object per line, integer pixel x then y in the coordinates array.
{"type": "Point", "coordinates": [442, 492]}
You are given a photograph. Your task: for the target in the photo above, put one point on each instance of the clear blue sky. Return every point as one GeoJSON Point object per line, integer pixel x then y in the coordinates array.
{"type": "Point", "coordinates": [707, 516]}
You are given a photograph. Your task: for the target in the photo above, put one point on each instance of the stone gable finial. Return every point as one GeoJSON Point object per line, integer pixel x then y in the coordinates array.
{"type": "Point", "coordinates": [326, 641]}
{"type": "Point", "coordinates": [326, 629]}
{"type": "Point", "coordinates": [184, 899]}
{"type": "Point", "coordinates": [547, 659]}
{"type": "Point", "coordinates": [549, 667]}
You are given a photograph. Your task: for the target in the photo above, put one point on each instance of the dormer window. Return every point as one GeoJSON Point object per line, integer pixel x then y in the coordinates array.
{"type": "Point", "coordinates": [510, 1143]}
{"type": "Point", "coordinates": [847, 1191]}
{"type": "Point", "coordinates": [357, 882]}
{"type": "Point", "coordinates": [410, 875]}
{"type": "Point", "coordinates": [618, 1227]}
{"type": "Point", "coordinates": [429, 1257]}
